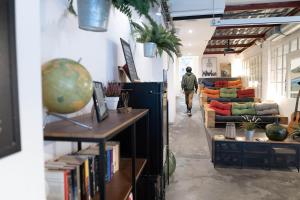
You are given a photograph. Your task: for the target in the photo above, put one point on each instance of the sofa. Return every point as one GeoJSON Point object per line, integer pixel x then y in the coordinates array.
{"type": "Point", "coordinates": [234, 112]}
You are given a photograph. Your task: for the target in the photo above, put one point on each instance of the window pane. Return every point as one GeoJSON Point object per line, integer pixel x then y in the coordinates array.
{"type": "Point", "coordinates": [273, 76]}
{"type": "Point", "coordinates": [279, 76]}
{"type": "Point", "coordinates": [279, 51]}
{"type": "Point", "coordinates": [294, 44]}
{"type": "Point", "coordinates": [279, 62]}
{"type": "Point", "coordinates": [286, 49]}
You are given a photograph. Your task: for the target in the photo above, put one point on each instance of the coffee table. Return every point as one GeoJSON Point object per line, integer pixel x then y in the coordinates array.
{"type": "Point", "coordinates": [258, 153]}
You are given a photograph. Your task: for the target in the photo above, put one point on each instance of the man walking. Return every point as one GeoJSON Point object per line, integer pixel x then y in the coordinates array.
{"type": "Point", "coordinates": [189, 84]}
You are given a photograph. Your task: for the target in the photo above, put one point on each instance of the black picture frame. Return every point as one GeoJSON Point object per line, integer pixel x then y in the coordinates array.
{"type": "Point", "coordinates": [99, 102]}
{"type": "Point", "coordinates": [129, 61]}
{"type": "Point", "coordinates": [10, 141]}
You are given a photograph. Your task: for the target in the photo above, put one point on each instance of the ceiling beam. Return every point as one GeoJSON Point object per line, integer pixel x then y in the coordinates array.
{"type": "Point", "coordinates": [263, 6]}
{"type": "Point", "coordinates": [231, 37]}
{"type": "Point", "coordinates": [247, 26]}
{"type": "Point", "coordinates": [221, 52]}
{"type": "Point", "coordinates": [197, 17]}
{"type": "Point", "coordinates": [231, 45]}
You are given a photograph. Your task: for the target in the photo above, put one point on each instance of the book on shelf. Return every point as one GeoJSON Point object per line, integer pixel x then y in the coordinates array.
{"type": "Point", "coordinates": [76, 176]}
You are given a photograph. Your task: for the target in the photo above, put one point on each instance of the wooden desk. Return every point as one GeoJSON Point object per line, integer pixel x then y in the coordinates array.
{"type": "Point", "coordinates": [119, 188]}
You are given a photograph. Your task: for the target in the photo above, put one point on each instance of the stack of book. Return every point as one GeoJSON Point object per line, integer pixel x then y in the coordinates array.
{"type": "Point", "coordinates": [76, 176]}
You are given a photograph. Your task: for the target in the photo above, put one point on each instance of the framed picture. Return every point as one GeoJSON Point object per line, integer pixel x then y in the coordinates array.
{"type": "Point", "coordinates": [131, 70]}
{"type": "Point", "coordinates": [9, 106]}
{"type": "Point", "coordinates": [225, 69]}
{"type": "Point", "coordinates": [209, 67]}
{"type": "Point", "coordinates": [99, 102]}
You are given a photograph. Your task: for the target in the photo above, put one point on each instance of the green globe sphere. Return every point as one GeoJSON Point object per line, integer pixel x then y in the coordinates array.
{"type": "Point", "coordinates": [67, 86]}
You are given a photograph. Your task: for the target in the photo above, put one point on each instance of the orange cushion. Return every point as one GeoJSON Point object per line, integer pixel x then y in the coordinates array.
{"type": "Point", "coordinates": [215, 96]}
{"type": "Point", "coordinates": [236, 86]}
{"type": "Point", "coordinates": [233, 83]}
{"type": "Point", "coordinates": [210, 91]}
{"type": "Point", "coordinates": [219, 105]}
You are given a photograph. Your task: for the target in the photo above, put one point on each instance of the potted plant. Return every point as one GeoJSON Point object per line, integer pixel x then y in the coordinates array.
{"type": "Point", "coordinates": [142, 7]}
{"type": "Point", "coordinates": [112, 95]}
{"type": "Point", "coordinates": [157, 39]}
{"type": "Point", "coordinates": [93, 15]}
{"type": "Point", "coordinates": [249, 124]}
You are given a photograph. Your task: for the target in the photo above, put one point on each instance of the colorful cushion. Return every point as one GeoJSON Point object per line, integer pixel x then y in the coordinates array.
{"type": "Point", "coordinates": [243, 109]}
{"type": "Point", "coordinates": [228, 90]}
{"type": "Point", "coordinates": [236, 86]}
{"type": "Point", "coordinates": [211, 91]}
{"type": "Point", "coordinates": [207, 83]}
{"type": "Point", "coordinates": [228, 95]}
{"type": "Point", "coordinates": [215, 96]}
{"type": "Point", "coordinates": [234, 83]}
{"type": "Point", "coordinates": [223, 106]}
{"type": "Point", "coordinates": [221, 84]}
{"type": "Point", "coordinates": [267, 108]}
{"type": "Point", "coordinates": [221, 112]}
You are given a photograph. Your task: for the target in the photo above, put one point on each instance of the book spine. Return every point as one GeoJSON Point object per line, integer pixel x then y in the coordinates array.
{"type": "Point", "coordinates": [82, 182]}
{"type": "Point", "coordinates": [66, 186]}
{"type": "Point", "coordinates": [97, 163]}
{"type": "Point", "coordinates": [86, 176]}
{"type": "Point", "coordinates": [78, 183]}
{"type": "Point", "coordinates": [91, 176]}
{"type": "Point", "coordinates": [111, 163]}
{"type": "Point", "coordinates": [70, 185]}
{"type": "Point", "coordinates": [108, 166]}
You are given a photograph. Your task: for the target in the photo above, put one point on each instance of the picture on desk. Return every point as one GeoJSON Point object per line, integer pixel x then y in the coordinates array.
{"type": "Point", "coordinates": [99, 102]}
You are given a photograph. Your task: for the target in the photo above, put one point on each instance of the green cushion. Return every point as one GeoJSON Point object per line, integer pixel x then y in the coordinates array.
{"type": "Point", "coordinates": [228, 90]}
{"type": "Point", "coordinates": [242, 105]}
{"type": "Point", "coordinates": [228, 95]}
{"type": "Point", "coordinates": [246, 111]}
{"type": "Point", "coordinates": [243, 109]}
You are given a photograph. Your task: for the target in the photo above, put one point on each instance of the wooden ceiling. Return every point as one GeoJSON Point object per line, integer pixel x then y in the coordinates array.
{"type": "Point", "coordinates": [242, 37]}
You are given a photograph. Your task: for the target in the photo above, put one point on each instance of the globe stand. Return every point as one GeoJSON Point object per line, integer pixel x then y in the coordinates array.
{"type": "Point", "coordinates": [72, 121]}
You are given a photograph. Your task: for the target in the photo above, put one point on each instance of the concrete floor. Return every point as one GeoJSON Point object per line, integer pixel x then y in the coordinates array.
{"type": "Point", "coordinates": [196, 179]}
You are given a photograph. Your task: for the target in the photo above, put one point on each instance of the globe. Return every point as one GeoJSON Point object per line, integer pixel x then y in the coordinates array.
{"type": "Point", "coordinates": [67, 86]}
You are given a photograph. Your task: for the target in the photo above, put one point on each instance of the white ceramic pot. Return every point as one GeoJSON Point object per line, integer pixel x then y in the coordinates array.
{"type": "Point", "coordinates": [249, 135]}
{"type": "Point", "coordinates": [112, 102]}
{"type": "Point", "coordinates": [150, 49]}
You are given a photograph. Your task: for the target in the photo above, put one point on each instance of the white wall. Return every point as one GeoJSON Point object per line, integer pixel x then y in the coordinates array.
{"type": "Point", "coordinates": [220, 59]}
{"type": "Point", "coordinates": [22, 174]}
{"type": "Point", "coordinates": [101, 53]}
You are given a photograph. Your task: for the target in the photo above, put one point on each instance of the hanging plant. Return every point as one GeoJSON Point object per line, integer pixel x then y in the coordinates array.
{"type": "Point", "coordinates": [71, 8]}
{"type": "Point", "coordinates": [141, 6]}
{"type": "Point", "coordinates": [166, 41]}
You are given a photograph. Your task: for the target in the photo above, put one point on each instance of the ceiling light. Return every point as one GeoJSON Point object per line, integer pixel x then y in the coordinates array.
{"type": "Point", "coordinates": [190, 31]}
{"type": "Point", "coordinates": [255, 21]}
{"type": "Point", "coordinates": [158, 14]}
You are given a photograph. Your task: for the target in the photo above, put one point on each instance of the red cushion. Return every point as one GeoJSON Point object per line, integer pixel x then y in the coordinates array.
{"type": "Point", "coordinates": [221, 84]}
{"type": "Point", "coordinates": [219, 105]}
{"type": "Point", "coordinates": [246, 91]}
{"type": "Point", "coordinates": [221, 112]}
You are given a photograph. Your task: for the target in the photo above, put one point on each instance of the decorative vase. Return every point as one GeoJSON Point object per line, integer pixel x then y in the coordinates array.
{"type": "Point", "coordinates": [112, 102]}
{"type": "Point", "coordinates": [249, 135]}
{"type": "Point", "coordinates": [276, 132]}
{"type": "Point", "coordinates": [150, 49]}
{"type": "Point", "coordinates": [93, 15]}
{"type": "Point", "coordinates": [172, 164]}
{"type": "Point", "coordinates": [230, 132]}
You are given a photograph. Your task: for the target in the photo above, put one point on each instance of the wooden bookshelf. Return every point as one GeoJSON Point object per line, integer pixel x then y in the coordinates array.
{"type": "Point", "coordinates": [119, 187]}
{"type": "Point", "coordinates": [108, 128]}
{"type": "Point", "coordinates": [124, 181]}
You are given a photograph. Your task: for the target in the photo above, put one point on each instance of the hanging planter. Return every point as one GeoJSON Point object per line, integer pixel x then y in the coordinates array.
{"type": "Point", "coordinates": [93, 15]}
{"type": "Point", "coordinates": [150, 49]}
